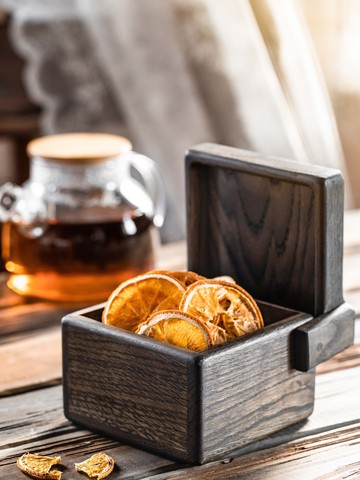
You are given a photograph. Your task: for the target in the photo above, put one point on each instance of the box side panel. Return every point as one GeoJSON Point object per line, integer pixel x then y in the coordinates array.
{"type": "Point", "coordinates": [332, 245]}
{"type": "Point", "coordinates": [251, 391]}
{"type": "Point", "coordinates": [125, 390]}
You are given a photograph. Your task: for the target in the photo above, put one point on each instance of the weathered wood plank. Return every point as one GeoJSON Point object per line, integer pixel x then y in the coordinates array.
{"type": "Point", "coordinates": [31, 316]}
{"type": "Point", "coordinates": [29, 417]}
{"type": "Point", "coordinates": [35, 422]}
{"type": "Point", "coordinates": [130, 463]}
{"type": "Point", "coordinates": [331, 455]}
{"type": "Point", "coordinates": [336, 408]}
{"type": "Point", "coordinates": [31, 362]}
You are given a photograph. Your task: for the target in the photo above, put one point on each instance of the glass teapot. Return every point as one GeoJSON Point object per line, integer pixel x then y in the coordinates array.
{"type": "Point", "coordinates": [84, 221]}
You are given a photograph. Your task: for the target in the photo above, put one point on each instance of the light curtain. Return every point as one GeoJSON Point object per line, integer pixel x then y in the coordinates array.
{"type": "Point", "coordinates": [172, 73]}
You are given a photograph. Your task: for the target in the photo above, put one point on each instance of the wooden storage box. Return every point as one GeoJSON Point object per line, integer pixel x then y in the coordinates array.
{"type": "Point", "coordinates": [276, 227]}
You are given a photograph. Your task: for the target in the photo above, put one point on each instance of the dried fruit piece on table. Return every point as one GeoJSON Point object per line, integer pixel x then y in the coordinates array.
{"type": "Point", "coordinates": [98, 466]}
{"type": "Point", "coordinates": [178, 328]}
{"type": "Point", "coordinates": [135, 299]}
{"type": "Point", "coordinates": [39, 466]}
{"type": "Point", "coordinates": [227, 309]}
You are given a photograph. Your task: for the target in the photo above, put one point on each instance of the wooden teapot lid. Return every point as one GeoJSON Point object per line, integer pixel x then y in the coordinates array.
{"type": "Point", "coordinates": [79, 147]}
{"type": "Point", "coordinates": [274, 225]}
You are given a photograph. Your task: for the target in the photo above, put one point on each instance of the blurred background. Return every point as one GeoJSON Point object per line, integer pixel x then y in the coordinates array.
{"type": "Point", "coordinates": [277, 76]}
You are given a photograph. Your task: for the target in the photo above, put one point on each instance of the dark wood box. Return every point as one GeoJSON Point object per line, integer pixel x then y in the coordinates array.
{"type": "Point", "coordinates": [275, 226]}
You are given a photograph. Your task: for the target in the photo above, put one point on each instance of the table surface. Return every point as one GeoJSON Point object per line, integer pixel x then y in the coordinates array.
{"type": "Point", "coordinates": [326, 446]}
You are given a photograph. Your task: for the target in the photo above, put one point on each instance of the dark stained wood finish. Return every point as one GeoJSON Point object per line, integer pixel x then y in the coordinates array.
{"type": "Point", "coordinates": [250, 390]}
{"type": "Point", "coordinates": [323, 337]}
{"type": "Point", "coordinates": [276, 226]}
{"type": "Point", "coordinates": [130, 387]}
{"type": "Point", "coordinates": [192, 407]}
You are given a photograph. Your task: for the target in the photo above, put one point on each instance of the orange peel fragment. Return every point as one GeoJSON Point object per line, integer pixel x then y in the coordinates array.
{"type": "Point", "coordinates": [39, 466]}
{"type": "Point", "coordinates": [98, 466]}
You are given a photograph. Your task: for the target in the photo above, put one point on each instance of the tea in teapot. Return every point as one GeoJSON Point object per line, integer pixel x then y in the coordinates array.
{"type": "Point", "coordinates": [82, 223]}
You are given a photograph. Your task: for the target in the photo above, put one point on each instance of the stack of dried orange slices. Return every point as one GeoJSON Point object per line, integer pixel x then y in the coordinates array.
{"type": "Point", "coordinates": [183, 308]}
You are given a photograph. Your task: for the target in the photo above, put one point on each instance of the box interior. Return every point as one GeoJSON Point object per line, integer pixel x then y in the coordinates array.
{"type": "Point", "coordinates": [273, 315]}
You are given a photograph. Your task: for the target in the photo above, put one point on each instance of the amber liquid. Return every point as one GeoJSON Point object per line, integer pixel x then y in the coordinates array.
{"type": "Point", "coordinates": [78, 262]}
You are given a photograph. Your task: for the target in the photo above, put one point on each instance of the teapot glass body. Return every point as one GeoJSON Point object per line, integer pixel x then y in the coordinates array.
{"type": "Point", "coordinates": [81, 224]}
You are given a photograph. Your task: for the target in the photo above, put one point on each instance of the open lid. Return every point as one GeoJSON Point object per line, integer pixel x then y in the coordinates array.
{"type": "Point", "coordinates": [275, 226]}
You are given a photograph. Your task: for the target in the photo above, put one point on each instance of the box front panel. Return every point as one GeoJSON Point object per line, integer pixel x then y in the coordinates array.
{"type": "Point", "coordinates": [251, 390]}
{"type": "Point", "coordinates": [122, 389]}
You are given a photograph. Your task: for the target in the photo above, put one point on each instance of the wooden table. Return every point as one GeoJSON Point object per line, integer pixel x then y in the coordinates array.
{"type": "Point", "coordinates": [326, 446]}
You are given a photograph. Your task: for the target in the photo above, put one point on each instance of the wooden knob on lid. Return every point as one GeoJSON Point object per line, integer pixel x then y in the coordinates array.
{"type": "Point", "coordinates": [79, 147]}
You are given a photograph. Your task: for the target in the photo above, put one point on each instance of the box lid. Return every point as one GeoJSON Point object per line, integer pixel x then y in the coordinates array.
{"type": "Point", "coordinates": [274, 225]}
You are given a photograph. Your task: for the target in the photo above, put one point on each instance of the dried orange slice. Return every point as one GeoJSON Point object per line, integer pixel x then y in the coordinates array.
{"type": "Point", "coordinates": [98, 466]}
{"type": "Point", "coordinates": [39, 466]}
{"type": "Point", "coordinates": [177, 328]}
{"type": "Point", "coordinates": [185, 277]}
{"type": "Point", "coordinates": [224, 278]}
{"type": "Point", "coordinates": [135, 299]}
{"type": "Point", "coordinates": [227, 309]}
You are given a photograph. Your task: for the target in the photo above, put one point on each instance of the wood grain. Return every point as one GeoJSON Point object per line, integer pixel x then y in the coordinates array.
{"type": "Point", "coordinates": [193, 407]}
{"type": "Point", "coordinates": [323, 337]}
{"type": "Point", "coordinates": [232, 414]}
{"type": "Point", "coordinates": [130, 387]}
{"type": "Point", "coordinates": [274, 225]}
{"type": "Point", "coordinates": [327, 456]}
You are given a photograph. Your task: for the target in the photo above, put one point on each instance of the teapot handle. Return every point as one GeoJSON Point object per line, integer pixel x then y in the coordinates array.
{"type": "Point", "coordinates": [153, 183]}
